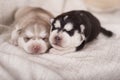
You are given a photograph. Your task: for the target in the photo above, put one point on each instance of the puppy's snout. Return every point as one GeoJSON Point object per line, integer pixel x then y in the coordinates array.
{"type": "Point", "coordinates": [58, 39]}
{"type": "Point", "coordinates": [35, 48]}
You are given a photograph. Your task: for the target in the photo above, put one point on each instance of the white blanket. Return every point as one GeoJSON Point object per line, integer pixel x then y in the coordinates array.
{"type": "Point", "coordinates": [99, 60]}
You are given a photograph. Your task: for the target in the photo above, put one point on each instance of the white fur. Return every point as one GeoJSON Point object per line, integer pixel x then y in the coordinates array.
{"type": "Point", "coordinates": [57, 24]}
{"type": "Point", "coordinates": [29, 33]}
{"type": "Point", "coordinates": [65, 17]}
{"type": "Point", "coordinates": [51, 20]}
{"type": "Point", "coordinates": [35, 40]}
{"type": "Point", "coordinates": [82, 27]}
{"type": "Point", "coordinates": [68, 27]}
{"type": "Point", "coordinates": [43, 34]}
{"type": "Point", "coordinates": [52, 35]}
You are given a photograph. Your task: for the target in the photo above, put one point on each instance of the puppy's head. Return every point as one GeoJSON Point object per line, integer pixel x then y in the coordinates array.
{"type": "Point", "coordinates": [65, 33]}
{"type": "Point", "coordinates": [32, 36]}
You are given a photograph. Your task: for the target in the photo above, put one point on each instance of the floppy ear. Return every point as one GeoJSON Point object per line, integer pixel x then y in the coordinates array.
{"type": "Point", "coordinates": [82, 27]}
{"type": "Point", "coordinates": [15, 34]}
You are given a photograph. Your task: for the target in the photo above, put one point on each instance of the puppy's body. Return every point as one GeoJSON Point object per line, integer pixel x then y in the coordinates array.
{"type": "Point", "coordinates": [31, 32]}
{"type": "Point", "coordinates": [72, 30]}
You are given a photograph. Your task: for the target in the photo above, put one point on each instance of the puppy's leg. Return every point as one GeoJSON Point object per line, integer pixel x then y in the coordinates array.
{"type": "Point", "coordinates": [14, 36]}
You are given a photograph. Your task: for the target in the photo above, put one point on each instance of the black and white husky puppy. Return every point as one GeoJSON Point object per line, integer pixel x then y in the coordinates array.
{"type": "Point", "coordinates": [70, 31]}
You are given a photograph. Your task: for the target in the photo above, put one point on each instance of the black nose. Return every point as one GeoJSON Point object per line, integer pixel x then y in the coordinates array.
{"type": "Point", "coordinates": [57, 38]}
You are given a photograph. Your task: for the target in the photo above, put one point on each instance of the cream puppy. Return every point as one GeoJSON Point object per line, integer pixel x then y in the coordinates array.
{"type": "Point", "coordinates": [31, 29]}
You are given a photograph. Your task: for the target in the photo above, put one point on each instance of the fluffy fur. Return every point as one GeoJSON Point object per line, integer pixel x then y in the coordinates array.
{"type": "Point", "coordinates": [72, 30]}
{"type": "Point", "coordinates": [31, 32]}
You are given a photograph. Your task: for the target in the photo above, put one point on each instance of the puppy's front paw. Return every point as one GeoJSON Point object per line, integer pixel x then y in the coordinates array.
{"type": "Point", "coordinates": [13, 42]}
{"type": "Point", "coordinates": [54, 51]}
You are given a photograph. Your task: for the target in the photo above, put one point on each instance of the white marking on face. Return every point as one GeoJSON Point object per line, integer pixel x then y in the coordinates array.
{"type": "Point", "coordinates": [29, 34]}
{"type": "Point", "coordinates": [76, 39]}
{"type": "Point", "coordinates": [57, 24]}
{"type": "Point", "coordinates": [43, 34]}
{"type": "Point", "coordinates": [83, 37]}
{"type": "Point", "coordinates": [68, 26]}
{"type": "Point", "coordinates": [82, 27]}
{"type": "Point", "coordinates": [51, 20]}
{"type": "Point", "coordinates": [36, 29]}
{"type": "Point", "coordinates": [65, 17]}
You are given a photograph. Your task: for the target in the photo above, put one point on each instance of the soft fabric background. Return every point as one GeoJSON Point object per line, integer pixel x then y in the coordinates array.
{"type": "Point", "coordinates": [99, 60]}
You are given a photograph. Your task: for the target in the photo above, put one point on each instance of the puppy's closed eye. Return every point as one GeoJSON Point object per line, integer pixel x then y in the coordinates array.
{"type": "Point", "coordinates": [27, 39]}
{"type": "Point", "coordinates": [45, 39]}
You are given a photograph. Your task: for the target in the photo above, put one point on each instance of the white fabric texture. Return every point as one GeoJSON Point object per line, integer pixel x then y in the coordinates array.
{"type": "Point", "coordinates": [99, 60]}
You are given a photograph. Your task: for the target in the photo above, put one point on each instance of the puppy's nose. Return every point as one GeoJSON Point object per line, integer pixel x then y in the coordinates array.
{"type": "Point", "coordinates": [36, 48]}
{"type": "Point", "coordinates": [58, 39]}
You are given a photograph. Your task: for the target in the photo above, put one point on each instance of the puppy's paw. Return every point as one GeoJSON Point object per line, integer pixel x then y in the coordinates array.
{"type": "Point", "coordinates": [13, 42]}
{"type": "Point", "coordinates": [54, 51]}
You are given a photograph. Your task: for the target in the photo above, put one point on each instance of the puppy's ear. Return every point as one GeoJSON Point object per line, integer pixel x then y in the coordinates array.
{"type": "Point", "coordinates": [82, 28]}
{"type": "Point", "coordinates": [51, 21]}
{"type": "Point", "coordinates": [15, 34]}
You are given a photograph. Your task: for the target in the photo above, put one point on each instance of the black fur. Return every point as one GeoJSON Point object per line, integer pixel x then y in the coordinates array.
{"type": "Point", "coordinates": [91, 23]}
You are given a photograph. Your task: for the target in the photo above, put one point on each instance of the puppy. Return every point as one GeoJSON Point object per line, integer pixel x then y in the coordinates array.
{"type": "Point", "coordinates": [31, 29]}
{"type": "Point", "coordinates": [70, 31]}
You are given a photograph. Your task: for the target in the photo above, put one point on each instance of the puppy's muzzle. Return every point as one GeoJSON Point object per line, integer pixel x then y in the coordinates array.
{"type": "Point", "coordinates": [36, 48]}
{"type": "Point", "coordinates": [57, 40]}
